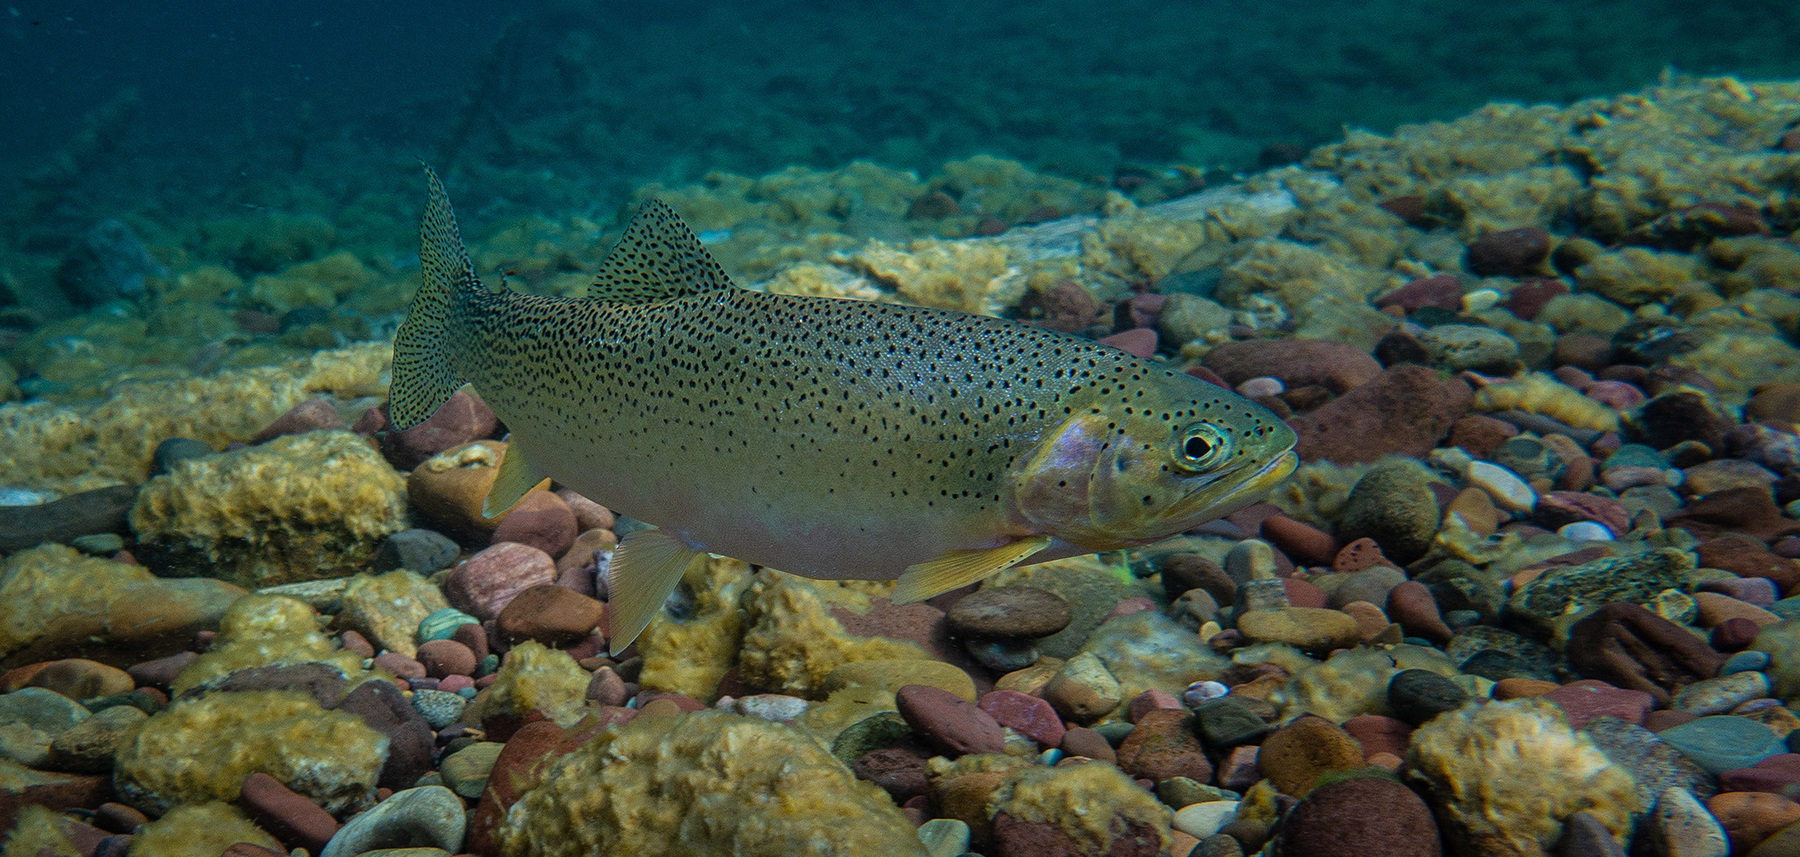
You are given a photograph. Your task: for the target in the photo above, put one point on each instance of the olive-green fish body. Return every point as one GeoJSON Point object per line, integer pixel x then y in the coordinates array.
{"type": "Point", "coordinates": [825, 437]}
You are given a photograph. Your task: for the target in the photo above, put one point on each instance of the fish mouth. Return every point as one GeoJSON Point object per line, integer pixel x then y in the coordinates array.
{"type": "Point", "coordinates": [1205, 506]}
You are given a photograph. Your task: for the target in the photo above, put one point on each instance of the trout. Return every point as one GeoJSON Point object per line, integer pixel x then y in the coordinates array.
{"type": "Point", "coordinates": [830, 438]}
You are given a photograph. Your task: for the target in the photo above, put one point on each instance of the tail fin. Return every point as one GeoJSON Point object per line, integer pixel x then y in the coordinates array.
{"type": "Point", "coordinates": [423, 378]}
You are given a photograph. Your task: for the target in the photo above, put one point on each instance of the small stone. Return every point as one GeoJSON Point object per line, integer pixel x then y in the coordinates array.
{"type": "Point", "coordinates": [466, 771]}
{"type": "Point", "coordinates": [356, 644]}
{"type": "Point", "coordinates": [1082, 741]}
{"type": "Point", "coordinates": [1504, 486]}
{"type": "Point", "coordinates": [1201, 820]}
{"type": "Point", "coordinates": [288, 815]}
{"type": "Point", "coordinates": [1721, 694]}
{"type": "Point", "coordinates": [1749, 558]}
{"type": "Point", "coordinates": [446, 658]}
{"type": "Point", "coordinates": [1682, 827]}
{"type": "Point", "coordinates": [423, 551]}
{"type": "Point", "coordinates": [462, 419]}
{"type": "Point", "coordinates": [1228, 721]}
{"type": "Point", "coordinates": [1441, 291]}
{"type": "Point", "coordinates": [1359, 816]}
{"type": "Point", "coordinates": [410, 742]}
{"type": "Point", "coordinates": [1302, 542]}
{"type": "Point", "coordinates": [1027, 715]}
{"type": "Point", "coordinates": [1185, 571]}
{"type": "Point", "coordinates": [30, 719]}
{"type": "Point", "coordinates": [1380, 734]}
{"type": "Point", "coordinates": [1010, 611]}
{"type": "Point", "coordinates": [1746, 661]}
{"type": "Point", "coordinates": [160, 673]}
{"type": "Point", "coordinates": [1582, 701]}
{"type": "Point", "coordinates": [1406, 410]}
{"type": "Point", "coordinates": [1722, 742]}
{"type": "Point", "coordinates": [1083, 690]}
{"type": "Point", "coordinates": [490, 580]}
{"type": "Point", "coordinates": [400, 665]}
{"type": "Point", "coordinates": [1138, 341]}
{"type": "Point", "coordinates": [773, 707]}
{"type": "Point", "coordinates": [1412, 605]}
{"type": "Point", "coordinates": [1510, 253]}
{"type": "Point", "coordinates": [444, 624]}
{"type": "Point", "coordinates": [79, 679]}
{"type": "Point", "coordinates": [1416, 696]}
{"type": "Point", "coordinates": [1631, 647]}
{"type": "Point", "coordinates": [1584, 835]}
{"type": "Point", "coordinates": [1309, 629]}
{"type": "Point", "coordinates": [540, 519]}
{"type": "Point", "coordinates": [550, 614]}
{"type": "Point", "coordinates": [1751, 817]}
{"type": "Point", "coordinates": [949, 722]}
{"type": "Point", "coordinates": [439, 708]}
{"type": "Point", "coordinates": [1162, 745]}
{"type": "Point", "coordinates": [1294, 756]}
{"type": "Point", "coordinates": [425, 817]}
{"type": "Point", "coordinates": [1335, 366]}
{"type": "Point", "coordinates": [944, 837]}
{"type": "Point", "coordinates": [311, 415]}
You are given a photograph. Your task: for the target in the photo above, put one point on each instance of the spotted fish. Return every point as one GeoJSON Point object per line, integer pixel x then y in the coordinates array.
{"type": "Point", "coordinates": [824, 437]}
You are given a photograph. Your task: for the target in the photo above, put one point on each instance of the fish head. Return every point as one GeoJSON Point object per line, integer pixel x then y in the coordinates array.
{"type": "Point", "coordinates": [1120, 474]}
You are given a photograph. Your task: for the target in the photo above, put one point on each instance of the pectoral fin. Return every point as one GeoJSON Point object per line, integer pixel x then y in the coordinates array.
{"type": "Point", "coordinates": [644, 570]}
{"type": "Point", "coordinates": [954, 569]}
{"type": "Point", "coordinates": [517, 477]}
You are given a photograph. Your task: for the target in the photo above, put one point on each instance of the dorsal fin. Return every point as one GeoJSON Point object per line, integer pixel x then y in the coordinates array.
{"type": "Point", "coordinates": [658, 258]}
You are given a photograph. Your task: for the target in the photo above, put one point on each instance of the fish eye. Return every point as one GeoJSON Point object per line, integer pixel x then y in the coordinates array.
{"type": "Point", "coordinates": [1201, 446]}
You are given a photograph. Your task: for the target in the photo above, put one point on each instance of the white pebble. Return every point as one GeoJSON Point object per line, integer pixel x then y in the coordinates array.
{"type": "Point", "coordinates": [1261, 386]}
{"type": "Point", "coordinates": [1203, 691]}
{"type": "Point", "coordinates": [1201, 820]}
{"type": "Point", "coordinates": [1508, 490]}
{"type": "Point", "coordinates": [1585, 531]}
{"type": "Point", "coordinates": [1480, 299]}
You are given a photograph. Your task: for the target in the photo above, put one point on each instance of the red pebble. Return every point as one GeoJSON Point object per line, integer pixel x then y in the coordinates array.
{"type": "Point", "coordinates": [1138, 341]}
{"type": "Point", "coordinates": [1154, 699]}
{"type": "Point", "coordinates": [1441, 291]}
{"type": "Point", "coordinates": [1027, 715]}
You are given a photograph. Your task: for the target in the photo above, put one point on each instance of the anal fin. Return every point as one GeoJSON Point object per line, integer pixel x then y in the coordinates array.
{"type": "Point", "coordinates": [954, 569]}
{"type": "Point", "coordinates": [644, 570]}
{"type": "Point", "coordinates": [517, 477]}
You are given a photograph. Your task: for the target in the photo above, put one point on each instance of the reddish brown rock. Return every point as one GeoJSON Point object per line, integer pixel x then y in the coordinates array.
{"type": "Point", "coordinates": [1359, 816]}
{"type": "Point", "coordinates": [1510, 253]}
{"type": "Point", "coordinates": [1014, 837]}
{"type": "Point", "coordinates": [310, 415]}
{"type": "Point", "coordinates": [465, 417]}
{"type": "Point", "coordinates": [1082, 741]}
{"type": "Point", "coordinates": [484, 585]}
{"type": "Point", "coordinates": [446, 658]}
{"type": "Point", "coordinates": [1297, 362]}
{"type": "Point", "coordinates": [1138, 341]}
{"type": "Point", "coordinates": [78, 679]}
{"type": "Point", "coordinates": [1479, 434]}
{"type": "Point", "coordinates": [549, 614]}
{"type": "Point", "coordinates": [161, 672]}
{"type": "Point", "coordinates": [1027, 715]}
{"type": "Point", "coordinates": [1294, 756]}
{"type": "Point", "coordinates": [1528, 299]}
{"type": "Point", "coordinates": [541, 519]}
{"type": "Point", "coordinates": [286, 814]}
{"type": "Point", "coordinates": [1748, 557]}
{"type": "Point", "coordinates": [1440, 291]}
{"type": "Point", "coordinates": [1359, 555]}
{"type": "Point", "coordinates": [1162, 745]}
{"type": "Point", "coordinates": [1558, 508]}
{"type": "Point", "coordinates": [1631, 647]}
{"type": "Point", "coordinates": [1065, 306]}
{"type": "Point", "coordinates": [1304, 543]}
{"type": "Point", "coordinates": [948, 722]}
{"type": "Point", "coordinates": [1378, 733]}
{"type": "Point", "coordinates": [899, 771]}
{"type": "Point", "coordinates": [1582, 701]}
{"type": "Point", "coordinates": [1751, 817]}
{"type": "Point", "coordinates": [1406, 410]}
{"type": "Point", "coordinates": [400, 665]}
{"type": "Point", "coordinates": [1412, 605]}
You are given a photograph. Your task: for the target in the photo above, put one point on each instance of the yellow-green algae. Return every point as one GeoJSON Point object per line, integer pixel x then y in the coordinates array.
{"type": "Point", "coordinates": [300, 507]}
{"type": "Point", "coordinates": [201, 749]}
{"type": "Point", "coordinates": [54, 599]}
{"type": "Point", "coordinates": [77, 447]}
{"type": "Point", "coordinates": [37, 832]}
{"type": "Point", "coordinates": [1537, 393]}
{"type": "Point", "coordinates": [535, 677]}
{"type": "Point", "coordinates": [199, 830]}
{"type": "Point", "coordinates": [1483, 770]}
{"type": "Point", "coordinates": [690, 656]}
{"type": "Point", "coordinates": [794, 642]}
{"type": "Point", "coordinates": [703, 783]}
{"type": "Point", "coordinates": [266, 630]}
{"type": "Point", "coordinates": [387, 608]}
{"type": "Point", "coordinates": [1093, 804]}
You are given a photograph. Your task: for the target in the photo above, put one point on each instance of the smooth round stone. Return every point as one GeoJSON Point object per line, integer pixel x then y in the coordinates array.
{"type": "Point", "coordinates": [944, 837]}
{"type": "Point", "coordinates": [1204, 819]}
{"type": "Point", "coordinates": [1585, 531]}
{"type": "Point", "coordinates": [1417, 696]}
{"type": "Point", "coordinates": [1685, 828]}
{"type": "Point", "coordinates": [32, 718]}
{"type": "Point", "coordinates": [1261, 386]}
{"type": "Point", "coordinates": [1002, 656]}
{"type": "Point", "coordinates": [1504, 486]}
{"type": "Point", "coordinates": [443, 623]}
{"type": "Point", "coordinates": [776, 707]}
{"type": "Point", "coordinates": [466, 771]}
{"type": "Point", "coordinates": [440, 708]}
{"type": "Point", "coordinates": [1722, 694]}
{"type": "Point", "coordinates": [1745, 662]}
{"type": "Point", "coordinates": [1010, 611]}
{"type": "Point", "coordinates": [428, 817]}
{"type": "Point", "coordinates": [1203, 691]}
{"type": "Point", "coordinates": [1722, 742]}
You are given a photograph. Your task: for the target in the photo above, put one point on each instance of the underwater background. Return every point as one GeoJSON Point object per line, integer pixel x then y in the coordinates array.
{"type": "Point", "coordinates": [1523, 279]}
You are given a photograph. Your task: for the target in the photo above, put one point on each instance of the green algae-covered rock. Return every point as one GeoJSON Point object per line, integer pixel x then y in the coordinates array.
{"type": "Point", "coordinates": [56, 602]}
{"type": "Point", "coordinates": [388, 608]}
{"type": "Point", "coordinates": [1149, 650]}
{"type": "Point", "coordinates": [201, 830]}
{"type": "Point", "coordinates": [1482, 770]}
{"type": "Point", "coordinates": [300, 507]}
{"type": "Point", "coordinates": [703, 783]}
{"type": "Point", "coordinates": [266, 630]}
{"type": "Point", "coordinates": [535, 677]}
{"type": "Point", "coordinates": [1114, 811]}
{"type": "Point", "coordinates": [200, 750]}
{"type": "Point", "coordinates": [1577, 588]}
